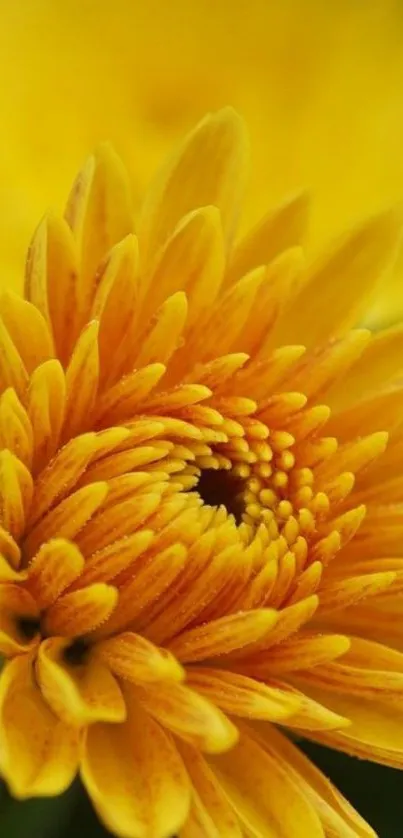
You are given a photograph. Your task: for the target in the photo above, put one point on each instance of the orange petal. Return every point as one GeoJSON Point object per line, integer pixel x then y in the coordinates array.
{"type": "Point", "coordinates": [106, 564]}
{"type": "Point", "coordinates": [15, 427]}
{"type": "Point", "coordinates": [336, 814]}
{"type": "Point", "coordinates": [189, 715]}
{"type": "Point", "coordinates": [39, 754]}
{"type": "Point", "coordinates": [16, 488]}
{"type": "Point", "coordinates": [265, 797]}
{"type": "Point", "coordinates": [21, 318]}
{"type": "Point", "coordinates": [12, 370]}
{"type": "Point", "coordinates": [153, 578]}
{"type": "Point", "coordinates": [78, 693]}
{"type": "Point", "coordinates": [56, 565]}
{"type": "Point", "coordinates": [211, 816]}
{"type": "Point", "coordinates": [222, 636]}
{"type": "Point", "coordinates": [376, 729]}
{"type": "Point", "coordinates": [289, 621]}
{"type": "Point", "coordinates": [135, 777]}
{"type": "Point", "coordinates": [192, 260]}
{"type": "Point", "coordinates": [302, 652]}
{"type": "Point", "coordinates": [349, 591]}
{"type": "Point", "coordinates": [207, 169]}
{"type": "Point", "coordinates": [242, 696]}
{"type": "Point", "coordinates": [68, 518]}
{"type": "Point", "coordinates": [319, 310]}
{"type": "Point", "coordinates": [80, 612]}
{"type": "Point", "coordinates": [133, 657]}
{"type": "Point", "coordinates": [46, 409]}
{"type": "Point", "coordinates": [121, 401]}
{"type": "Point", "coordinates": [59, 478]}
{"type": "Point", "coordinates": [82, 381]}
{"type": "Point", "coordinates": [116, 306]}
{"type": "Point", "coordinates": [282, 228]}
{"type": "Point", "coordinates": [53, 254]}
{"type": "Point", "coordinates": [19, 620]}
{"type": "Point", "coordinates": [163, 334]}
{"type": "Point", "coordinates": [99, 214]}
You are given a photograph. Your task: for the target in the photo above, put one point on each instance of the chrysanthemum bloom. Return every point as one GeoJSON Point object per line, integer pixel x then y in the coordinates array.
{"type": "Point", "coordinates": [201, 560]}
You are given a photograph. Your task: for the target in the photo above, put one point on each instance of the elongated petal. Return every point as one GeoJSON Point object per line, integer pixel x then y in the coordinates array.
{"type": "Point", "coordinates": [99, 214]}
{"type": "Point", "coordinates": [242, 696]}
{"type": "Point", "coordinates": [212, 816]}
{"type": "Point", "coordinates": [21, 318]}
{"type": "Point", "coordinates": [19, 620]}
{"type": "Point", "coordinates": [52, 281]}
{"type": "Point", "coordinates": [15, 427]}
{"type": "Point", "coordinates": [219, 637]}
{"type": "Point", "coordinates": [46, 410]}
{"type": "Point", "coordinates": [69, 517]}
{"type": "Point", "coordinates": [279, 230]}
{"type": "Point", "coordinates": [135, 777]}
{"type": "Point", "coordinates": [41, 764]}
{"type": "Point", "coordinates": [82, 381]}
{"type": "Point", "coordinates": [79, 612]}
{"type": "Point", "coordinates": [78, 693]}
{"type": "Point", "coordinates": [16, 490]}
{"type": "Point", "coordinates": [264, 795]}
{"type": "Point", "coordinates": [337, 816]}
{"type": "Point", "coordinates": [376, 729]}
{"type": "Point", "coordinates": [56, 565]}
{"type": "Point", "coordinates": [207, 169]}
{"type": "Point", "coordinates": [133, 657]}
{"type": "Point", "coordinates": [189, 715]}
{"type": "Point", "coordinates": [319, 310]}
{"type": "Point", "coordinates": [192, 260]}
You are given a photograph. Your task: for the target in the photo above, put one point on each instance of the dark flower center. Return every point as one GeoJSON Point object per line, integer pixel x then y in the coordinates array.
{"type": "Point", "coordinates": [222, 488]}
{"type": "Point", "coordinates": [77, 652]}
{"type": "Point", "coordinates": [29, 627]}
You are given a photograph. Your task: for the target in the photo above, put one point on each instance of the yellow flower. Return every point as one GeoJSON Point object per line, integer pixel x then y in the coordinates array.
{"type": "Point", "coordinates": [195, 548]}
{"type": "Point", "coordinates": [319, 84]}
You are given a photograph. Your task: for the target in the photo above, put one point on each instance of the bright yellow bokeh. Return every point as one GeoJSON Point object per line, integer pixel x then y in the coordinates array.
{"type": "Point", "coordinates": [318, 83]}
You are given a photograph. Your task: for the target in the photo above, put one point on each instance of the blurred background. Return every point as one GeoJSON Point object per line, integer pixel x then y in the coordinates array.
{"type": "Point", "coordinates": [320, 85]}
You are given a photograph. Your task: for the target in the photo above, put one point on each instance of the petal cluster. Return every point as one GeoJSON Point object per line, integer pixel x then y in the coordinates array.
{"type": "Point", "coordinates": [200, 516]}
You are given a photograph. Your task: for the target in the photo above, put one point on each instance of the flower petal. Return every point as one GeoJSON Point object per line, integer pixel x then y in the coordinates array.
{"type": "Point", "coordinates": [21, 318]}
{"type": "Point", "coordinates": [280, 229]}
{"type": "Point", "coordinates": [79, 612]}
{"type": "Point", "coordinates": [376, 729]}
{"type": "Point", "coordinates": [135, 777]}
{"type": "Point", "coordinates": [189, 715]}
{"type": "Point", "coordinates": [133, 657]}
{"type": "Point", "coordinates": [222, 636]}
{"type": "Point", "coordinates": [99, 214]}
{"type": "Point", "coordinates": [68, 518]}
{"type": "Point", "coordinates": [211, 816]}
{"type": "Point", "coordinates": [266, 798]}
{"type": "Point", "coordinates": [53, 254]}
{"type": "Point", "coordinates": [207, 169]}
{"type": "Point", "coordinates": [39, 754]}
{"type": "Point", "coordinates": [56, 565]}
{"type": "Point", "coordinates": [19, 620]}
{"type": "Point", "coordinates": [46, 409]}
{"type": "Point", "coordinates": [16, 488]}
{"type": "Point", "coordinates": [336, 814]}
{"type": "Point", "coordinates": [243, 696]}
{"type": "Point", "coordinates": [320, 310]}
{"type": "Point", "coordinates": [78, 693]}
{"type": "Point", "coordinates": [82, 381]}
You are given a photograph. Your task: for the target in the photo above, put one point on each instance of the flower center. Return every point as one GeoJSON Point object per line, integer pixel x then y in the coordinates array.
{"type": "Point", "coordinates": [223, 488]}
